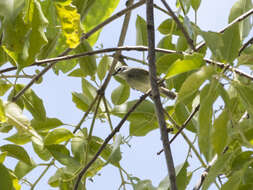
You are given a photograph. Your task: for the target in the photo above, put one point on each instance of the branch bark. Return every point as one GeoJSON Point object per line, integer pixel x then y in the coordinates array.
{"type": "Point", "coordinates": [180, 26]}
{"type": "Point", "coordinates": [108, 138]}
{"type": "Point", "coordinates": [238, 19]}
{"type": "Point", "coordinates": [156, 95]}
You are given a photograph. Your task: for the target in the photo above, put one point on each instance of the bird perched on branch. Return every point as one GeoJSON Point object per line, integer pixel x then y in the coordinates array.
{"type": "Point", "coordinates": [138, 79]}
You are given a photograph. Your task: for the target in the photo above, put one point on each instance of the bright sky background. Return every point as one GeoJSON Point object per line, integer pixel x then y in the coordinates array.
{"type": "Point", "coordinates": [140, 160]}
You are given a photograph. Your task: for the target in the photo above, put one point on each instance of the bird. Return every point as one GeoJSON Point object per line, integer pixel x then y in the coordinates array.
{"type": "Point", "coordinates": [138, 79]}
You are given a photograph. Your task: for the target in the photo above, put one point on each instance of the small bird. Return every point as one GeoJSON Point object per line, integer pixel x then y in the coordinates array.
{"type": "Point", "coordinates": [138, 79]}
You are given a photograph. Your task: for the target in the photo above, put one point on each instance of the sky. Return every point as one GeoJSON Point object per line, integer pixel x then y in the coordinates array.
{"type": "Point", "coordinates": [140, 159]}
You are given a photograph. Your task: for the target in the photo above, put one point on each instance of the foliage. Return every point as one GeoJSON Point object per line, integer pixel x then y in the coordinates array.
{"type": "Point", "coordinates": [33, 30]}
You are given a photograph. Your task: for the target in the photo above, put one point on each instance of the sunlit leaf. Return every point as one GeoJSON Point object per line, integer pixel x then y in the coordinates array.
{"type": "Point", "coordinates": [57, 136]}
{"type": "Point", "coordinates": [70, 22]}
{"type": "Point", "coordinates": [187, 64]}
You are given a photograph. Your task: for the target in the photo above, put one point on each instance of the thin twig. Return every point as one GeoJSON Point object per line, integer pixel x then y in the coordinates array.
{"type": "Point", "coordinates": [183, 126]}
{"type": "Point", "coordinates": [156, 94]}
{"type": "Point", "coordinates": [16, 76]}
{"type": "Point", "coordinates": [108, 138]}
{"type": "Point", "coordinates": [180, 25]}
{"type": "Point", "coordinates": [238, 19]}
{"type": "Point", "coordinates": [142, 48]}
{"type": "Point", "coordinates": [103, 87]}
{"type": "Point", "coordinates": [205, 173]}
{"type": "Point", "coordinates": [250, 41]}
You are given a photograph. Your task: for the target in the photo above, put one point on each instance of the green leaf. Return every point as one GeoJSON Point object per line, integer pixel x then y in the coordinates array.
{"type": "Point", "coordinates": [233, 182]}
{"type": "Point", "coordinates": [245, 93]}
{"type": "Point", "coordinates": [182, 113]}
{"type": "Point", "coordinates": [49, 123]}
{"type": "Point", "coordinates": [219, 134]}
{"type": "Point", "coordinates": [240, 7]}
{"type": "Point", "coordinates": [94, 17]}
{"type": "Point", "coordinates": [82, 102]}
{"type": "Point", "coordinates": [181, 178]}
{"type": "Point", "coordinates": [6, 181]}
{"type": "Point", "coordinates": [195, 4]}
{"type": "Point", "coordinates": [87, 63]}
{"type": "Point", "coordinates": [180, 66]}
{"type": "Point", "coordinates": [207, 97]}
{"type": "Point", "coordinates": [242, 159]}
{"type": "Point", "coordinates": [182, 44]}
{"type": "Point", "coordinates": [34, 105]}
{"type": "Point", "coordinates": [223, 46]}
{"type": "Point", "coordinates": [214, 42]}
{"type": "Point", "coordinates": [169, 27]}
{"type": "Point", "coordinates": [2, 112]}
{"type": "Point", "coordinates": [22, 169]}
{"type": "Point", "coordinates": [61, 154]}
{"type": "Point", "coordinates": [15, 116]}
{"type": "Point", "coordinates": [70, 22]}
{"type": "Point", "coordinates": [221, 163]}
{"type": "Point", "coordinates": [144, 185]}
{"type": "Point", "coordinates": [19, 138]}
{"type": "Point", "coordinates": [165, 43]}
{"type": "Point", "coordinates": [88, 90]}
{"type": "Point", "coordinates": [115, 155]}
{"type": "Point", "coordinates": [231, 43]}
{"type": "Point", "coordinates": [120, 94]}
{"type": "Point", "coordinates": [37, 37]}
{"type": "Point", "coordinates": [142, 120]}
{"type": "Point", "coordinates": [40, 150]}
{"type": "Point", "coordinates": [141, 31]}
{"type": "Point", "coordinates": [164, 62]}
{"type": "Point", "coordinates": [103, 66]}
{"type": "Point", "coordinates": [77, 73]}
{"type": "Point", "coordinates": [4, 87]}
{"type": "Point", "coordinates": [57, 136]}
{"type": "Point", "coordinates": [2, 157]}
{"type": "Point", "coordinates": [17, 152]}
{"type": "Point", "coordinates": [193, 82]}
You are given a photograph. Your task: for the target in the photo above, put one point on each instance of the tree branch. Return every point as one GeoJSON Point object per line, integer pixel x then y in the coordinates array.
{"type": "Point", "coordinates": [250, 41]}
{"type": "Point", "coordinates": [183, 126]}
{"type": "Point", "coordinates": [108, 138]}
{"type": "Point", "coordinates": [103, 87]}
{"type": "Point", "coordinates": [142, 48]}
{"type": "Point", "coordinates": [180, 26]}
{"type": "Point", "coordinates": [238, 19]}
{"type": "Point", "coordinates": [156, 95]}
